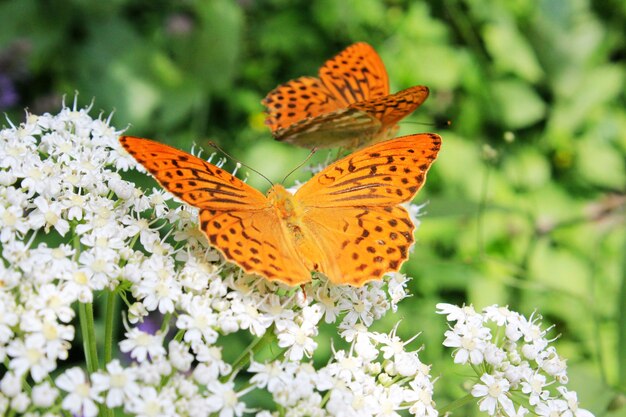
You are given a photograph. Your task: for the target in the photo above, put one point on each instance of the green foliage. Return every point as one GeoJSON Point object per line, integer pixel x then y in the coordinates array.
{"type": "Point", "coordinates": [527, 200]}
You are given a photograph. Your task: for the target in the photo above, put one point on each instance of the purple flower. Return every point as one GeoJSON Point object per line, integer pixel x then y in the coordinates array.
{"type": "Point", "coordinates": [8, 95]}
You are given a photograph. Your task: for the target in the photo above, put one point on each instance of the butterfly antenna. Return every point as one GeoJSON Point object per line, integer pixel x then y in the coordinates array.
{"type": "Point", "coordinates": [437, 125]}
{"type": "Point", "coordinates": [299, 165]}
{"type": "Point", "coordinates": [216, 146]}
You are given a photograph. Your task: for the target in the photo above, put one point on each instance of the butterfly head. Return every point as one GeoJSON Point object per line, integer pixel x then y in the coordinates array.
{"type": "Point", "coordinates": [284, 202]}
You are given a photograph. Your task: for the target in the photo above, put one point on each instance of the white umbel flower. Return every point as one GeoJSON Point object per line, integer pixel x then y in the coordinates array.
{"type": "Point", "coordinates": [80, 398]}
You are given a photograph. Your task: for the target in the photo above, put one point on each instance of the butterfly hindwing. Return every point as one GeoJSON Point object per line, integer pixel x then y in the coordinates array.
{"type": "Point", "coordinates": [345, 127]}
{"type": "Point", "coordinates": [360, 244]}
{"type": "Point", "coordinates": [257, 242]}
{"type": "Point", "coordinates": [390, 109]}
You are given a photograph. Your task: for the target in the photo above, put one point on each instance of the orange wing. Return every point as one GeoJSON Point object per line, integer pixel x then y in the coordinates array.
{"type": "Point", "coordinates": [257, 242]}
{"type": "Point", "coordinates": [192, 179]}
{"type": "Point", "coordinates": [355, 74]}
{"type": "Point", "coordinates": [390, 109]}
{"type": "Point", "coordinates": [238, 220]}
{"type": "Point", "coordinates": [349, 105]}
{"type": "Point", "coordinates": [352, 208]}
{"type": "Point", "coordinates": [297, 100]}
{"type": "Point", "coordinates": [384, 174]}
{"type": "Point", "coordinates": [348, 127]}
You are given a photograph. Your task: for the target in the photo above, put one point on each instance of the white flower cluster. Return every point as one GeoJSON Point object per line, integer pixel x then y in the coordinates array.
{"type": "Point", "coordinates": [510, 355]}
{"type": "Point", "coordinates": [375, 377]}
{"type": "Point", "coordinates": [72, 229]}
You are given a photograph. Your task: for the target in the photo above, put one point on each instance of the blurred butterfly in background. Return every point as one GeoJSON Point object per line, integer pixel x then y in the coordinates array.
{"type": "Point", "coordinates": [349, 105]}
{"type": "Point", "coordinates": [346, 222]}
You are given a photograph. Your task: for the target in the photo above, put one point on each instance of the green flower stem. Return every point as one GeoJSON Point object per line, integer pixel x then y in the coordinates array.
{"type": "Point", "coordinates": [87, 329]}
{"type": "Point", "coordinates": [621, 326]}
{"type": "Point", "coordinates": [469, 398]}
{"type": "Point", "coordinates": [179, 335]}
{"type": "Point", "coordinates": [166, 322]}
{"type": "Point", "coordinates": [254, 347]}
{"type": "Point", "coordinates": [85, 316]}
{"type": "Point", "coordinates": [109, 324]}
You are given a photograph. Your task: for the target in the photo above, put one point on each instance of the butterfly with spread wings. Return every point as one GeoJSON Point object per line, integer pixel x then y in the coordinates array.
{"type": "Point", "coordinates": [346, 222]}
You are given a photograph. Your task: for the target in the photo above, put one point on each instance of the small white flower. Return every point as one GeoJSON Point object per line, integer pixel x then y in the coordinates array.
{"type": "Point", "coordinates": [469, 347]}
{"type": "Point", "coordinates": [11, 384]}
{"type": "Point", "coordinates": [493, 391]}
{"type": "Point", "coordinates": [328, 297]}
{"type": "Point", "coordinates": [150, 403]}
{"type": "Point", "coordinates": [246, 312]}
{"type": "Point", "coordinates": [271, 375]}
{"type": "Point", "coordinates": [20, 402]}
{"type": "Point", "coordinates": [120, 383]}
{"type": "Point", "coordinates": [56, 337]}
{"type": "Point", "coordinates": [30, 355]}
{"type": "Point", "coordinates": [12, 221]}
{"type": "Point", "coordinates": [81, 399]}
{"type": "Point", "coordinates": [200, 322]}
{"type": "Point", "coordinates": [459, 314]}
{"type": "Point", "coordinates": [54, 302]}
{"type": "Point", "coordinates": [389, 400]}
{"type": "Point", "coordinates": [179, 356]}
{"type": "Point", "coordinates": [141, 344]}
{"type": "Point", "coordinates": [551, 408]}
{"type": "Point", "coordinates": [211, 357]}
{"type": "Point", "coordinates": [534, 385]}
{"type": "Point", "coordinates": [136, 312]}
{"type": "Point", "coordinates": [48, 214]}
{"type": "Point", "coordinates": [553, 364]}
{"type": "Point", "coordinates": [159, 289]}
{"type": "Point", "coordinates": [297, 339]}
{"type": "Point", "coordinates": [572, 402]}
{"type": "Point", "coordinates": [44, 394]}
{"type": "Point", "coordinates": [225, 399]}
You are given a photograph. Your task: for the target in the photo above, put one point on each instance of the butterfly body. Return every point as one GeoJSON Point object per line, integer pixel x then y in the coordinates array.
{"type": "Point", "coordinates": [349, 105]}
{"type": "Point", "coordinates": [346, 222]}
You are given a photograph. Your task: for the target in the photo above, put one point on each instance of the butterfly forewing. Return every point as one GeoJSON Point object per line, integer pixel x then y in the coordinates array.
{"type": "Point", "coordinates": [384, 174]}
{"type": "Point", "coordinates": [192, 179]}
{"type": "Point", "coordinates": [296, 100]}
{"type": "Point", "coordinates": [355, 74]}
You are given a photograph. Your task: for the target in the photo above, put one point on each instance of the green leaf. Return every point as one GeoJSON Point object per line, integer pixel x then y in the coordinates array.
{"type": "Point", "coordinates": [528, 169]}
{"type": "Point", "coordinates": [598, 163]}
{"type": "Point", "coordinates": [520, 106]}
{"type": "Point", "coordinates": [511, 52]}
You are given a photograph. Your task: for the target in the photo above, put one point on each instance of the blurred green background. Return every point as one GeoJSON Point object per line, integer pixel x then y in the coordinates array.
{"type": "Point", "coordinates": [526, 201]}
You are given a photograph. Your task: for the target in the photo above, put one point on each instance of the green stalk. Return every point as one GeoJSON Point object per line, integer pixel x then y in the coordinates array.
{"type": "Point", "coordinates": [85, 316]}
{"type": "Point", "coordinates": [621, 326]}
{"type": "Point", "coordinates": [109, 324]}
{"type": "Point", "coordinates": [456, 404]}
{"type": "Point", "coordinates": [87, 329]}
{"type": "Point", "coordinates": [254, 347]}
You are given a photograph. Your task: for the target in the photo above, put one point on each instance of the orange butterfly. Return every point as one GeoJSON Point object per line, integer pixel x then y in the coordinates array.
{"type": "Point", "coordinates": [345, 222]}
{"type": "Point", "coordinates": [349, 104]}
